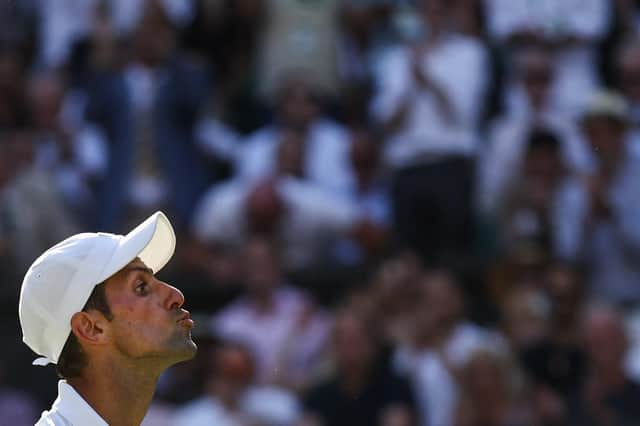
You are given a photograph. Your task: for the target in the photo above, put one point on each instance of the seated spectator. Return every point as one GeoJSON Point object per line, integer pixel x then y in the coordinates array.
{"type": "Point", "coordinates": [325, 144]}
{"type": "Point", "coordinates": [491, 392]}
{"type": "Point", "coordinates": [304, 218]}
{"type": "Point", "coordinates": [371, 197]}
{"type": "Point", "coordinates": [599, 223]}
{"type": "Point", "coordinates": [443, 340]}
{"type": "Point", "coordinates": [528, 214]}
{"type": "Point", "coordinates": [282, 327]}
{"type": "Point", "coordinates": [429, 107]}
{"type": "Point", "coordinates": [607, 395]}
{"type": "Point", "coordinates": [362, 390]}
{"type": "Point", "coordinates": [231, 397]}
{"type": "Point", "coordinates": [508, 134]}
{"type": "Point", "coordinates": [556, 363]}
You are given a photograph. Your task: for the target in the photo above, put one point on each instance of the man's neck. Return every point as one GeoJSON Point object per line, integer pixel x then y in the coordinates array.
{"type": "Point", "coordinates": [121, 395]}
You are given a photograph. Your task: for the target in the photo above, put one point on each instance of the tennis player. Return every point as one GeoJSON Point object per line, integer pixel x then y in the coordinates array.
{"type": "Point", "coordinates": [92, 305]}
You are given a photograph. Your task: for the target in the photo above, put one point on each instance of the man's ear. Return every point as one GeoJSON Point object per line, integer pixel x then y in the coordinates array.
{"type": "Point", "coordinates": [89, 327]}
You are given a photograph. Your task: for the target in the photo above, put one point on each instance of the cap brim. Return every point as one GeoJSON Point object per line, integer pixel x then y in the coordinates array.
{"type": "Point", "coordinates": [153, 241]}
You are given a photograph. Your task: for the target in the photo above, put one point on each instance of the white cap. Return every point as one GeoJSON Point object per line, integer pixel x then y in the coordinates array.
{"type": "Point", "coordinates": [59, 283]}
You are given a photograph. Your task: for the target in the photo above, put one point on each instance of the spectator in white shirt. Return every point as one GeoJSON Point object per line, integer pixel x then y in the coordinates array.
{"type": "Point", "coordinates": [507, 137]}
{"type": "Point", "coordinates": [429, 103]}
{"type": "Point", "coordinates": [280, 325]}
{"type": "Point", "coordinates": [303, 217]}
{"type": "Point", "coordinates": [571, 27]}
{"type": "Point", "coordinates": [326, 144]}
{"type": "Point", "coordinates": [600, 224]}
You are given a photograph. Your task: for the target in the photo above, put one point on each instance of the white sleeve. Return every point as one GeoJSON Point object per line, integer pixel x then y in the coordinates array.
{"type": "Point", "coordinates": [393, 83]}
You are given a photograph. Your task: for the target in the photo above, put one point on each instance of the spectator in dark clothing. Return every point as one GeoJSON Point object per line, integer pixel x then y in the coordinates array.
{"type": "Point", "coordinates": [557, 363]}
{"type": "Point", "coordinates": [363, 391]}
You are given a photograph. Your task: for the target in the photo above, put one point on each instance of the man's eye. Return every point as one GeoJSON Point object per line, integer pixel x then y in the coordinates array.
{"type": "Point", "coordinates": [142, 288]}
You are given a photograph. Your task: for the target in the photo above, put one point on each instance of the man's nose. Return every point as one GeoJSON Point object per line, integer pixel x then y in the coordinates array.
{"type": "Point", "coordinates": [175, 298]}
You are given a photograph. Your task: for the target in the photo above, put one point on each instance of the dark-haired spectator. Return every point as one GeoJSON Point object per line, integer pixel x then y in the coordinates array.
{"type": "Point", "coordinates": [507, 137]}
{"type": "Point", "coordinates": [281, 326]}
{"type": "Point", "coordinates": [429, 106]}
{"type": "Point", "coordinates": [556, 363]}
{"type": "Point", "coordinates": [607, 396]}
{"type": "Point", "coordinates": [362, 390]}
{"type": "Point", "coordinates": [599, 223]}
{"type": "Point", "coordinates": [528, 213]}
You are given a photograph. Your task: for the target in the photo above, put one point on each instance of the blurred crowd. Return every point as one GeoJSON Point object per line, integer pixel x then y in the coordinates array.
{"type": "Point", "coordinates": [389, 212]}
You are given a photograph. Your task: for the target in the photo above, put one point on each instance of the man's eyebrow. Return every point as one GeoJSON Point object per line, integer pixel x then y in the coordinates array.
{"type": "Point", "coordinates": [139, 269]}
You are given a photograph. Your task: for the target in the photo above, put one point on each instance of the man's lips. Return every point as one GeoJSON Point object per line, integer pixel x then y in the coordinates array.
{"type": "Point", "coordinates": [186, 320]}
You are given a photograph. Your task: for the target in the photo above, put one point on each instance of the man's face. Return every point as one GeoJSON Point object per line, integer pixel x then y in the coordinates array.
{"type": "Point", "coordinates": [148, 321]}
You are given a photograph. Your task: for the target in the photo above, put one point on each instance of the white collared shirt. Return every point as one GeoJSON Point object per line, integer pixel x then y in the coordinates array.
{"type": "Point", "coordinates": [70, 409]}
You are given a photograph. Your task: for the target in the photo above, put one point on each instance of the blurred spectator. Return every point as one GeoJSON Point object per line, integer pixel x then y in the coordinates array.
{"type": "Point", "coordinates": [491, 392]}
{"type": "Point", "coordinates": [304, 218]}
{"type": "Point", "coordinates": [363, 390]}
{"type": "Point", "coordinates": [32, 217]}
{"type": "Point", "coordinates": [325, 144]}
{"type": "Point", "coordinates": [507, 138]}
{"type": "Point", "coordinates": [396, 291]}
{"type": "Point", "coordinates": [600, 223]}
{"type": "Point", "coordinates": [571, 29]}
{"type": "Point", "coordinates": [430, 106]}
{"type": "Point", "coordinates": [232, 398]}
{"type": "Point", "coordinates": [556, 363]}
{"type": "Point", "coordinates": [607, 396]}
{"type": "Point", "coordinates": [149, 112]}
{"type": "Point", "coordinates": [371, 197]}
{"type": "Point", "coordinates": [72, 150]}
{"type": "Point", "coordinates": [443, 341]}
{"type": "Point", "coordinates": [530, 213]}
{"type": "Point", "coordinates": [280, 325]}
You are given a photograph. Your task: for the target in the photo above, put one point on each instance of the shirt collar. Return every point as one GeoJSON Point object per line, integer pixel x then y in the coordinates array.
{"type": "Point", "coordinates": [74, 408]}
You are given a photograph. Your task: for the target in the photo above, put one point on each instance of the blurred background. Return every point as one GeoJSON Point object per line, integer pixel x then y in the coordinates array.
{"type": "Point", "coordinates": [389, 212]}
